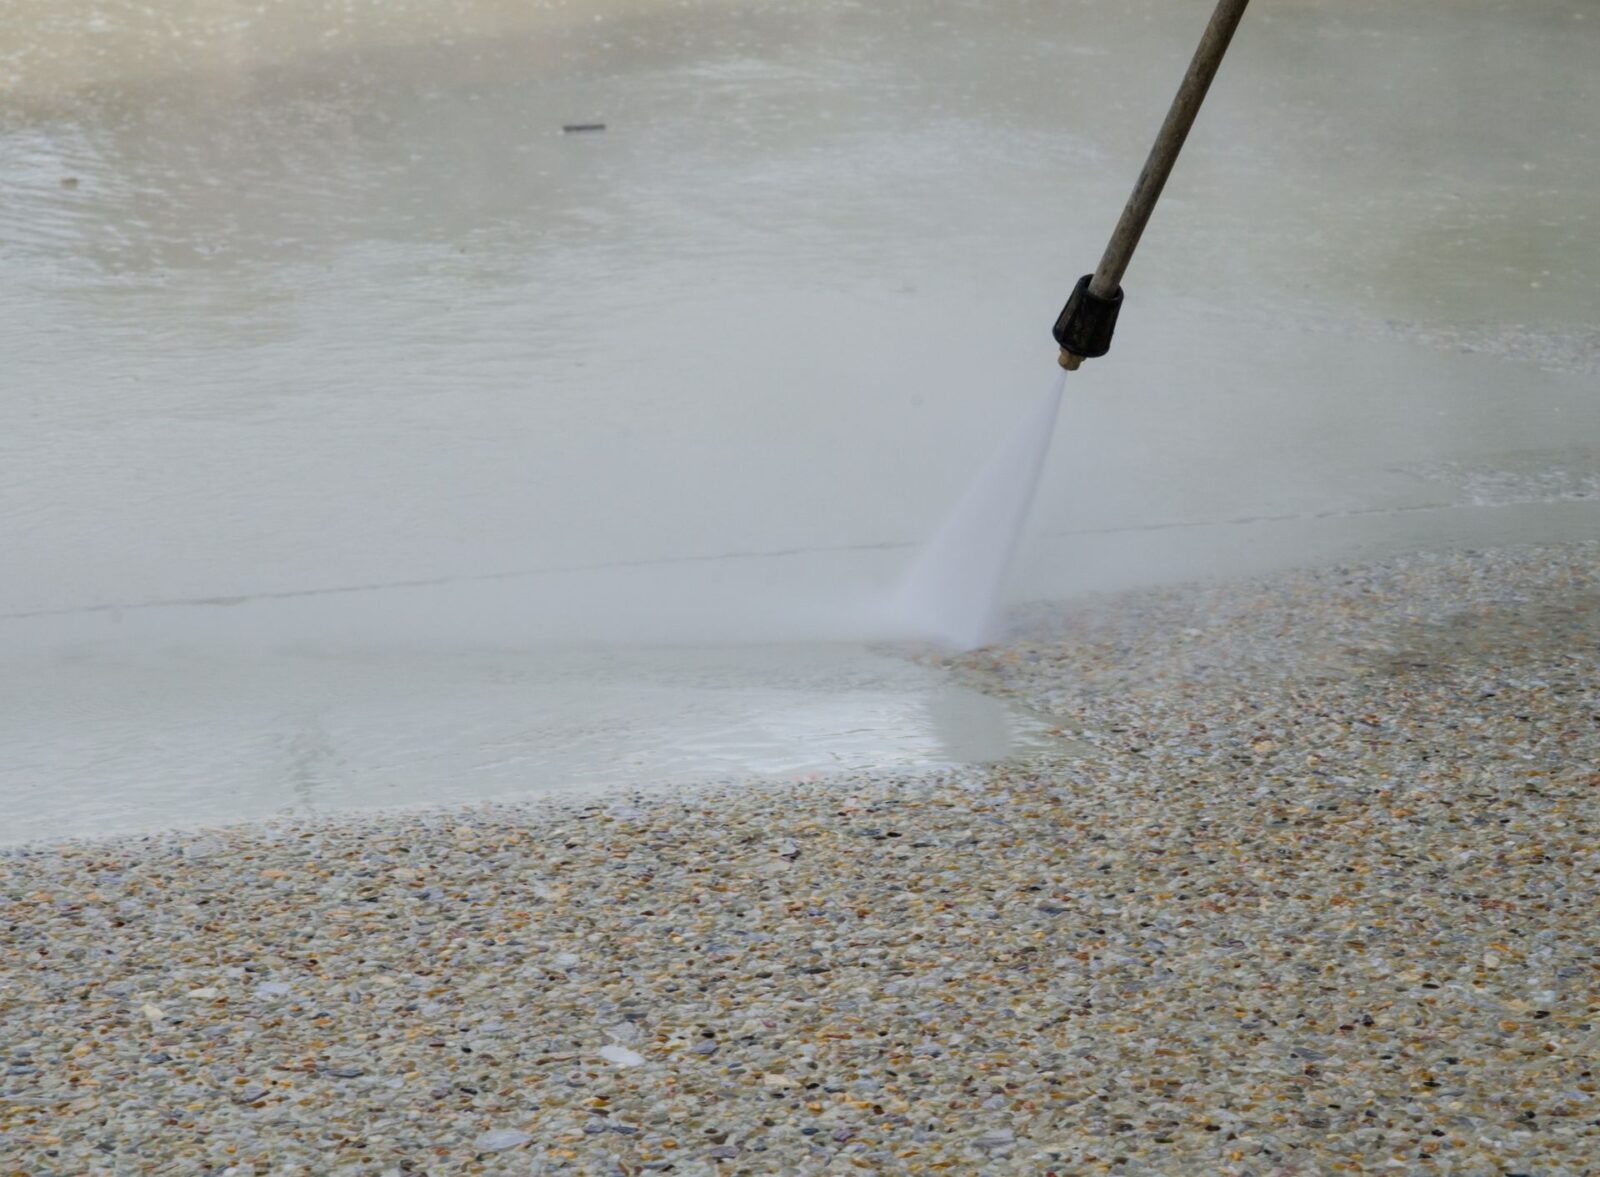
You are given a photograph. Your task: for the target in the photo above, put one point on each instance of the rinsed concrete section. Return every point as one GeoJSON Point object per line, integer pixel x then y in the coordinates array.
{"type": "Point", "coordinates": [1322, 900]}
{"type": "Point", "coordinates": [112, 744]}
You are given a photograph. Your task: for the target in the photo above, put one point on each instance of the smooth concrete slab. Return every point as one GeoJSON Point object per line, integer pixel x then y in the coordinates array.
{"type": "Point", "coordinates": [318, 334]}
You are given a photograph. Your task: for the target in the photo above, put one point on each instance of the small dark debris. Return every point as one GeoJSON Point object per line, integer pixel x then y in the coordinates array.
{"type": "Point", "coordinates": [578, 128]}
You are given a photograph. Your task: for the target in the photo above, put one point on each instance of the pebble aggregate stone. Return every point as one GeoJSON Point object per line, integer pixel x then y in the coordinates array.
{"type": "Point", "coordinates": [1321, 897]}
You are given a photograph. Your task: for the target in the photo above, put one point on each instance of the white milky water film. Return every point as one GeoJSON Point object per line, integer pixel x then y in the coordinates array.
{"type": "Point", "coordinates": [339, 387]}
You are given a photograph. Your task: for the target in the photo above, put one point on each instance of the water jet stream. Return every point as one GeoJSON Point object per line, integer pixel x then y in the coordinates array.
{"type": "Point", "coordinates": [954, 592]}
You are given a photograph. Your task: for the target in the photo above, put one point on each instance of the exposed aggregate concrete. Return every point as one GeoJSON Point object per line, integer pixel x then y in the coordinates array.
{"type": "Point", "coordinates": [1323, 899]}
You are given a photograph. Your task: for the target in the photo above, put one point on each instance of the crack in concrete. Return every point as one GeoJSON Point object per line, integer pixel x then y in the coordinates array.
{"type": "Point", "coordinates": [228, 601]}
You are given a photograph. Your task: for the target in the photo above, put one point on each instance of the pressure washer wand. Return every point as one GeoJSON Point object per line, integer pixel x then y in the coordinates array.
{"type": "Point", "coordinates": [1084, 327]}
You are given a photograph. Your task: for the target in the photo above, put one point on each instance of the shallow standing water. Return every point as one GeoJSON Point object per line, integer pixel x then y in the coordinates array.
{"type": "Point", "coordinates": [320, 335]}
{"type": "Point", "coordinates": [115, 744]}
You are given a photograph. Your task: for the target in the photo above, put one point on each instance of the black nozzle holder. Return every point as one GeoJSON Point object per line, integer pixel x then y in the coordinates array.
{"type": "Point", "coordinates": [1086, 323]}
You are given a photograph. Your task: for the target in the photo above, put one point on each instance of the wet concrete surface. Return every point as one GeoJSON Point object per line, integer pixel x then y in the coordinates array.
{"type": "Point", "coordinates": [100, 744]}
{"type": "Point", "coordinates": [319, 333]}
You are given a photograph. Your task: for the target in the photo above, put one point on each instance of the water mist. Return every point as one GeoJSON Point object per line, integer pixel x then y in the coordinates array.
{"type": "Point", "coordinates": [955, 591]}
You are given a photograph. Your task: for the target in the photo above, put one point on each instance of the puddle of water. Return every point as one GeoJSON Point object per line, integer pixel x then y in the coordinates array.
{"type": "Point", "coordinates": [106, 743]}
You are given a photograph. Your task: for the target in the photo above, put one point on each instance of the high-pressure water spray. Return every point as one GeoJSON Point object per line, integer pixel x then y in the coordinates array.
{"type": "Point", "coordinates": [1084, 327]}
{"type": "Point", "coordinates": [954, 591]}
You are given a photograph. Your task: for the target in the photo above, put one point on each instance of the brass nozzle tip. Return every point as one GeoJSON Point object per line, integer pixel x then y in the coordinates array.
{"type": "Point", "coordinates": [1069, 361]}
